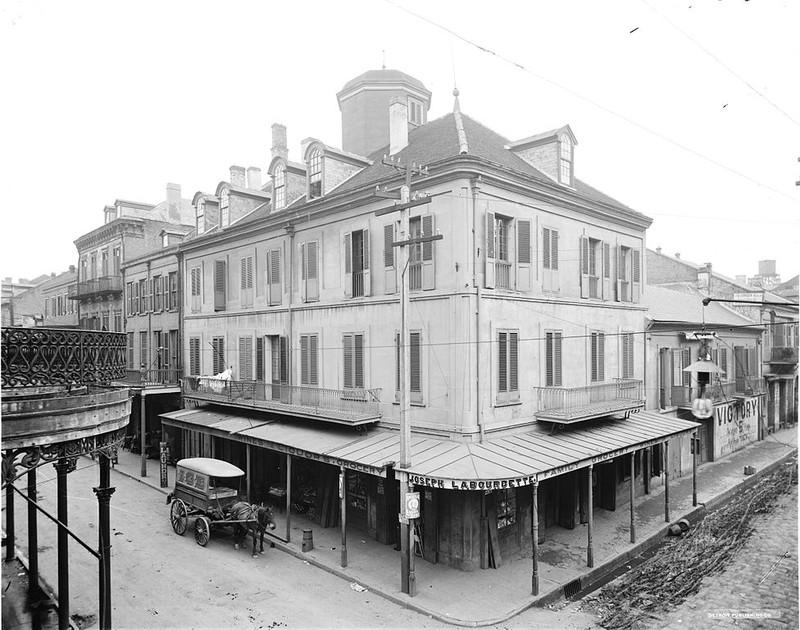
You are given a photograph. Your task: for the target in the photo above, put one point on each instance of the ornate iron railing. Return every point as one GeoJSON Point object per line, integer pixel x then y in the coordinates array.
{"type": "Point", "coordinates": [683, 396]}
{"type": "Point", "coordinates": [163, 376]}
{"type": "Point", "coordinates": [95, 286]}
{"type": "Point", "coordinates": [36, 357]}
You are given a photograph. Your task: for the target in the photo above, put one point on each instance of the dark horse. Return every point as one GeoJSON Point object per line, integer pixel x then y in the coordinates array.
{"type": "Point", "coordinates": [258, 518]}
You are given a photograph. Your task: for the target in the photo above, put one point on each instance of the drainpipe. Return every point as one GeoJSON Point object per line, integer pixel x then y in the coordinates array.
{"type": "Point", "coordinates": [145, 368]}
{"type": "Point", "coordinates": [475, 187]}
{"type": "Point", "coordinates": [290, 231]}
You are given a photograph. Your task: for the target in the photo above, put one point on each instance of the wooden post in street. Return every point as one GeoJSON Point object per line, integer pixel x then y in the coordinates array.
{"type": "Point", "coordinates": [666, 481]}
{"type": "Point", "coordinates": [11, 548]}
{"type": "Point", "coordinates": [695, 449]}
{"type": "Point", "coordinates": [590, 528]}
{"type": "Point", "coordinates": [535, 538]}
{"type": "Point", "coordinates": [343, 499]}
{"type": "Point", "coordinates": [633, 497]}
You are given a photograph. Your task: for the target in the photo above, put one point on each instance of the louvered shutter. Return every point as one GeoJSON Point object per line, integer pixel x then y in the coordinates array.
{"type": "Point", "coordinates": [636, 280]}
{"type": "Point", "coordinates": [284, 359]}
{"type": "Point", "coordinates": [313, 374]}
{"type": "Point", "coordinates": [246, 281]}
{"type": "Point", "coordinates": [557, 359]}
{"type": "Point", "coordinates": [548, 359]}
{"type": "Point", "coordinates": [513, 358]}
{"type": "Point", "coordinates": [524, 271]}
{"type": "Point", "coordinates": [752, 368]}
{"type": "Point", "coordinates": [620, 272]}
{"type": "Point", "coordinates": [303, 273]}
{"type": "Point", "coordinates": [260, 358]}
{"type": "Point", "coordinates": [601, 355]}
{"type": "Point", "coordinates": [274, 276]}
{"type": "Point", "coordinates": [502, 362]}
{"type": "Point", "coordinates": [723, 362]}
{"type": "Point", "coordinates": [358, 360]}
{"type": "Point", "coordinates": [347, 245]}
{"type": "Point", "coordinates": [606, 282]}
{"type": "Point", "coordinates": [390, 276]}
{"type": "Point", "coordinates": [365, 263]}
{"type": "Point", "coordinates": [245, 358]}
{"type": "Point", "coordinates": [312, 281]}
{"type": "Point", "coordinates": [348, 360]}
{"type": "Point", "coordinates": [219, 285]}
{"type": "Point", "coordinates": [304, 360]}
{"type": "Point", "coordinates": [554, 253]}
{"type": "Point", "coordinates": [490, 251]}
{"type": "Point", "coordinates": [194, 356]}
{"type": "Point", "coordinates": [416, 365]}
{"type": "Point", "coordinates": [686, 359]}
{"type": "Point", "coordinates": [584, 245]}
{"type": "Point", "coordinates": [677, 374]}
{"type": "Point", "coordinates": [428, 251]}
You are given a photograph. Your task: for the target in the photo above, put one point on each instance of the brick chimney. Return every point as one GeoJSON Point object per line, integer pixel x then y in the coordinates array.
{"type": "Point", "coordinates": [238, 177]}
{"type": "Point", "coordinates": [72, 268]}
{"type": "Point", "coordinates": [398, 126]}
{"type": "Point", "coordinates": [704, 278]}
{"type": "Point", "coordinates": [254, 178]}
{"type": "Point", "coordinates": [279, 146]}
{"type": "Point", "coordinates": [678, 255]}
{"type": "Point", "coordinates": [174, 203]}
{"type": "Point", "coordinates": [658, 250]}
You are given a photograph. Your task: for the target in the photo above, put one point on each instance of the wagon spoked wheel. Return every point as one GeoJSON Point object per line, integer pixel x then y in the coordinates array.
{"type": "Point", "coordinates": [202, 530]}
{"type": "Point", "coordinates": [178, 515]}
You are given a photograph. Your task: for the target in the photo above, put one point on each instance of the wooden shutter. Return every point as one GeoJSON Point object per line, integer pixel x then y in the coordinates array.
{"type": "Point", "coordinates": [304, 371]}
{"type": "Point", "coordinates": [347, 245]}
{"type": "Point", "coordinates": [686, 359]}
{"type": "Point", "coordinates": [219, 285]}
{"type": "Point", "coordinates": [245, 358]}
{"type": "Point", "coordinates": [284, 359]}
{"type": "Point", "coordinates": [416, 363]}
{"type": "Point", "coordinates": [723, 362]}
{"type": "Point", "coordinates": [490, 251]}
{"type": "Point", "coordinates": [502, 362]}
{"type": "Point", "coordinates": [246, 280]}
{"type": "Point", "coordinates": [313, 373]}
{"type": "Point", "coordinates": [312, 268]}
{"type": "Point", "coordinates": [557, 359]}
{"type": "Point", "coordinates": [584, 255]}
{"type": "Point", "coordinates": [347, 343]}
{"type": "Point", "coordinates": [554, 254]}
{"type": "Point", "coordinates": [274, 277]}
{"type": "Point", "coordinates": [428, 269]}
{"type": "Point", "coordinates": [620, 271]}
{"type": "Point", "coordinates": [601, 355]}
{"type": "Point", "coordinates": [390, 275]}
{"type": "Point", "coordinates": [358, 360]}
{"type": "Point", "coordinates": [636, 280]}
{"type": "Point", "coordinates": [260, 358]}
{"type": "Point", "coordinates": [365, 262]}
{"type": "Point", "coordinates": [524, 272]}
{"type": "Point", "coordinates": [303, 273]}
{"type": "Point", "coordinates": [513, 358]}
{"type": "Point", "coordinates": [606, 275]}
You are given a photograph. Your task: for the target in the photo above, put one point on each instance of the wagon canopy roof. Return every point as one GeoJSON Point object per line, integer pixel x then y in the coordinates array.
{"type": "Point", "coordinates": [211, 467]}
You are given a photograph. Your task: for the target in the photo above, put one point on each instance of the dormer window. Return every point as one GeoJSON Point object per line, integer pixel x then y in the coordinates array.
{"type": "Point", "coordinates": [280, 186]}
{"type": "Point", "coordinates": [223, 207]}
{"type": "Point", "coordinates": [165, 240]}
{"type": "Point", "coordinates": [414, 111]}
{"type": "Point", "coordinates": [315, 174]}
{"type": "Point", "coordinates": [565, 158]}
{"type": "Point", "coordinates": [201, 224]}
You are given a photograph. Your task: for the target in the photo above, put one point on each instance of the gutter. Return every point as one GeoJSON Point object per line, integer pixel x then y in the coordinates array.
{"type": "Point", "coordinates": [475, 188]}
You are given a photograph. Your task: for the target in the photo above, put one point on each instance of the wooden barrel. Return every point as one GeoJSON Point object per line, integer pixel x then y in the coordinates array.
{"type": "Point", "coordinates": [308, 540]}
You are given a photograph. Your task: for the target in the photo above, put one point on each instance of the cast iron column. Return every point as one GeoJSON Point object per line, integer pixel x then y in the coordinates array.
{"type": "Point", "coordinates": [63, 467]}
{"type": "Point", "coordinates": [10, 539]}
{"type": "Point", "coordinates": [633, 496]}
{"type": "Point", "coordinates": [589, 548]}
{"type": "Point", "coordinates": [535, 538]}
{"type": "Point", "coordinates": [666, 481]}
{"type": "Point", "coordinates": [33, 539]}
{"type": "Point", "coordinates": [104, 492]}
{"type": "Point", "coordinates": [695, 448]}
{"type": "Point", "coordinates": [143, 432]}
{"type": "Point", "coordinates": [342, 498]}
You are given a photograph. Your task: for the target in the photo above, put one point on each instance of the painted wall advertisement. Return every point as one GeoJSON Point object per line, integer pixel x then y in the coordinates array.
{"type": "Point", "coordinates": [736, 425]}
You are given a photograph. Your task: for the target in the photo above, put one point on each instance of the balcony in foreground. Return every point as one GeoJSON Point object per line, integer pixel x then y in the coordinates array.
{"type": "Point", "coordinates": [96, 287]}
{"type": "Point", "coordinates": [567, 405]}
{"type": "Point", "coordinates": [342, 406]}
{"type": "Point", "coordinates": [166, 380]}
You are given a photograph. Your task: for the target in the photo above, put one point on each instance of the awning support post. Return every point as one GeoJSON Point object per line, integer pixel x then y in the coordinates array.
{"type": "Point", "coordinates": [33, 538]}
{"type": "Point", "coordinates": [633, 497]}
{"type": "Point", "coordinates": [666, 481]}
{"type": "Point", "coordinates": [342, 498]}
{"type": "Point", "coordinates": [249, 483]}
{"type": "Point", "coordinates": [11, 549]}
{"type": "Point", "coordinates": [589, 547]}
{"type": "Point", "coordinates": [143, 432]}
{"type": "Point", "coordinates": [695, 449]}
{"type": "Point", "coordinates": [535, 538]}
{"type": "Point", "coordinates": [288, 496]}
{"type": "Point", "coordinates": [63, 467]}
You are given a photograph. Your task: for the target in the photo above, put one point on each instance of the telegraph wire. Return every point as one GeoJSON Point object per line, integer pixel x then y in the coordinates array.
{"type": "Point", "coordinates": [590, 101]}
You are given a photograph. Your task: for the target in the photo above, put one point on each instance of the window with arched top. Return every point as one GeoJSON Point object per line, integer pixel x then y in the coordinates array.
{"type": "Point", "coordinates": [280, 186]}
{"type": "Point", "coordinates": [315, 174]}
{"type": "Point", "coordinates": [200, 214]}
{"type": "Point", "coordinates": [565, 151]}
{"type": "Point", "coordinates": [223, 207]}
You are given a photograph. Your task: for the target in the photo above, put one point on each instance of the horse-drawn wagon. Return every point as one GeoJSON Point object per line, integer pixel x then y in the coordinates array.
{"type": "Point", "coordinates": [208, 490]}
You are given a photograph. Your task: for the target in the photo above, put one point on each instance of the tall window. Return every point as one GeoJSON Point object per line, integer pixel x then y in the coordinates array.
{"type": "Point", "coordinates": [565, 158]}
{"type": "Point", "coordinates": [144, 360]}
{"type": "Point", "coordinates": [196, 279]}
{"type": "Point", "coordinates": [552, 352]}
{"type": "Point", "coordinates": [131, 355]}
{"type": "Point", "coordinates": [116, 260]}
{"type": "Point", "coordinates": [219, 285]}
{"type": "Point", "coordinates": [356, 263]}
{"type": "Point", "coordinates": [200, 212]}
{"type": "Point", "coordinates": [550, 280]}
{"type": "Point", "coordinates": [224, 201]}
{"type": "Point", "coordinates": [158, 293]}
{"type": "Point", "coordinates": [593, 266]}
{"type": "Point", "coordinates": [598, 357]}
{"type": "Point", "coordinates": [315, 174]}
{"type": "Point", "coordinates": [627, 355]}
{"type": "Point", "coordinates": [507, 366]}
{"type": "Point", "coordinates": [308, 360]}
{"type": "Point", "coordinates": [118, 321]}
{"type": "Point", "coordinates": [218, 355]}
{"type": "Point", "coordinates": [414, 339]}
{"type": "Point", "coordinates": [246, 273]}
{"type": "Point", "coordinates": [628, 274]}
{"type": "Point", "coordinates": [93, 266]}
{"type": "Point", "coordinates": [353, 360]}
{"type": "Point", "coordinates": [280, 186]}
{"type": "Point", "coordinates": [420, 268]}
{"type": "Point", "coordinates": [309, 271]}
{"type": "Point", "coordinates": [273, 277]}
{"type": "Point", "coordinates": [245, 358]}
{"type": "Point", "coordinates": [194, 356]}
{"type": "Point", "coordinates": [173, 290]}
{"type": "Point", "coordinates": [143, 307]}
{"type": "Point", "coordinates": [414, 111]}
{"type": "Point", "coordinates": [104, 263]}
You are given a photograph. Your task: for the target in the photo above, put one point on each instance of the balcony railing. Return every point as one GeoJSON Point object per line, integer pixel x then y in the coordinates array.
{"type": "Point", "coordinates": [415, 276]}
{"type": "Point", "coordinates": [346, 406]}
{"type": "Point", "coordinates": [153, 378]}
{"type": "Point", "coordinates": [358, 283]}
{"type": "Point", "coordinates": [683, 396]}
{"type": "Point", "coordinates": [96, 287]}
{"type": "Point", "coordinates": [502, 275]}
{"type": "Point", "coordinates": [38, 357]}
{"type": "Point", "coordinates": [783, 354]}
{"type": "Point", "coordinates": [573, 404]}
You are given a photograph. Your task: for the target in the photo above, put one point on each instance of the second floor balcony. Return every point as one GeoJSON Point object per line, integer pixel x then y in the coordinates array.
{"type": "Point", "coordinates": [782, 358]}
{"type": "Point", "coordinates": [565, 405]}
{"type": "Point", "coordinates": [342, 406]}
{"type": "Point", "coordinates": [153, 378]}
{"type": "Point", "coordinates": [96, 287]}
{"type": "Point", "coordinates": [719, 393]}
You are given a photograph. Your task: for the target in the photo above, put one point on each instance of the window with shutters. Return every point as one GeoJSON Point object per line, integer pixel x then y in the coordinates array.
{"type": "Point", "coordinates": [278, 363]}
{"type": "Point", "coordinates": [626, 359]}
{"type": "Point", "coordinates": [117, 321]}
{"type": "Point", "coordinates": [550, 280]}
{"type": "Point", "coordinates": [129, 304]}
{"type": "Point", "coordinates": [524, 280]}
{"type": "Point", "coordinates": [246, 281]}
{"type": "Point", "coordinates": [353, 360]}
{"type": "Point", "coordinates": [677, 368]}
{"type": "Point", "coordinates": [218, 355]}
{"type": "Point", "coordinates": [507, 366]}
{"type": "Point", "coordinates": [415, 365]}
{"type": "Point", "coordinates": [309, 360]}
{"type": "Point", "coordinates": [552, 358]}
{"type": "Point", "coordinates": [273, 277]}
{"type": "Point", "coordinates": [389, 257]}
{"type": "Point", "coordinates": [309, 271]}
{"type": "Point", "coordinates": [686, 359]}
{"type": "Point", "coordinates": [498, 251]}
{"type": "Point", "coordinates": [158, 293]}
{"type": "Point", "coordinates": [196, 288]}
{"type": "Point", "coordinates": [131, 354]}
{"type": "Point", "coordinates": [420, 264]}
{"type": "Point", "coordinates": [592, 267]}
{"type": "Point", "coordinates": [723, 364]}
{"type": "Point", "coordinates": [144, 360]}
{"type": "Point", "coordinates": [173, 290]}
{"type": "Point", "coordinates": [219, 285]}
{"type": "Point", "coordinates": [598, 357]}
{"type": "Point", "coordinates": [142, 297]}
{"type": "Point", "coordinates": [629, 272]}
{"type": "Point", "coordinates": [245, 359]}
{"type": "Point", "coordinates": [356, 264]}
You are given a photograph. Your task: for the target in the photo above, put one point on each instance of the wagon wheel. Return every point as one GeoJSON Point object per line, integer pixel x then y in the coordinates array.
{"type": "Point", "coordinates": [178, 516]}
{"type": "Point", "coordinates": [202, 530]}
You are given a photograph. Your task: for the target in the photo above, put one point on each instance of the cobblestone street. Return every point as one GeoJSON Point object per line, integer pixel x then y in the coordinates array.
{"type": "Point", "coordinates": [759, 588]}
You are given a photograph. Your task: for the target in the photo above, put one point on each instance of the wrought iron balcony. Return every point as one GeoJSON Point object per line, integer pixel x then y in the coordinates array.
{"type": "Point", "coordinates": [566, 405]}
{"type": "Point", "coordinates": [39, 357]}
{"type": "Point", "coordinates": [721, 392]}
{"type": "Point", "coordinates": [152, 378]}
{"type": "Point", "coordinates": [783, 355]}
{"type": "Point", "coordinates": [343, 406]}
{"type": "Point", "coordinates": [96, 287]}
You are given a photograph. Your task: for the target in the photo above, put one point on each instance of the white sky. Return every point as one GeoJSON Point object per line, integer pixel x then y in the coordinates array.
{"type": "Point", "coordinates": [112, 100]}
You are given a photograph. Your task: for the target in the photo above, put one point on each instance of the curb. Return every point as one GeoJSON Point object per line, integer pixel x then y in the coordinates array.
{"type": "Point", "coordinates": [43, 584]}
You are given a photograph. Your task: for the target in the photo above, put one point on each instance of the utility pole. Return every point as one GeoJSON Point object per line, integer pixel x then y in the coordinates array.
{"type": "Point", "coordinates": [407, 573]}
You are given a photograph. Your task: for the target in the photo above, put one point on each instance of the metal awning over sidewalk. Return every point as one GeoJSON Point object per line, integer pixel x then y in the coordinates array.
{"type": "Point", "coordinates": [505, 462]}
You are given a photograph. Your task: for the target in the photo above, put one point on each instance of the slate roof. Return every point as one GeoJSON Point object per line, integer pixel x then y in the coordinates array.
{"type": "Point", "coordinates": [685, 304]}
{"type": "Point", "coordinates": [382, 77]}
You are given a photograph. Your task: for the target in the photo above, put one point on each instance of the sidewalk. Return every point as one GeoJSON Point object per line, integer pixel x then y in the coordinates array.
{"type": "Point", "coordinates": [491, 596]}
